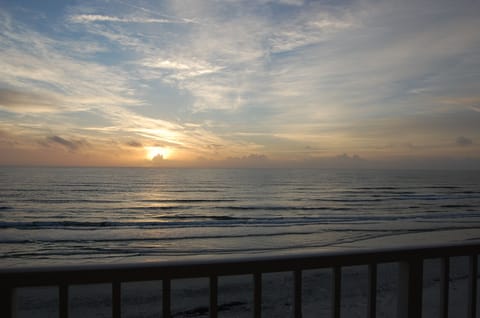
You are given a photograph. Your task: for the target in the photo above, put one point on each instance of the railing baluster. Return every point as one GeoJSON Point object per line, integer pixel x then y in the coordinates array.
{"type": "Point", "coordinates": [213, 296]}
{"type": "Point", "coordinates": [472, 286]}
{"type": "Point", "coordinates": [410, 288]}
{"type": "Point", "coordinates": [257, 295]}
{"type": "Point", "coordinates": [297, 281]}
{"type": "Point", "coordinates": [336, 291]}
{"type": "Point", "coordinates": [372, 291]}
{"type": "Point", "coordinates": [63, 301]}
{"type": "Point", "coordinates": [444, 286]}
{"type": "Point", "coordinates": [166, 298]}
{"type": "Point", "coordinates": [116, 299]}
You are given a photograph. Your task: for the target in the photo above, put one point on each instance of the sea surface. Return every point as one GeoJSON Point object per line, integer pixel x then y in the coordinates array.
{"type": "Point", "coordinates": [110, 215]}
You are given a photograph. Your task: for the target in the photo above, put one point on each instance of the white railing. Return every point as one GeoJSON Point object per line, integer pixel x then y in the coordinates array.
{"type": "Point", "coordinates": [410, 289]}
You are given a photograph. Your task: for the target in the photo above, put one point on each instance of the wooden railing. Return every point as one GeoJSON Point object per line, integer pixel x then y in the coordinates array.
{"type": "Point", "coordinates": [410, 286]}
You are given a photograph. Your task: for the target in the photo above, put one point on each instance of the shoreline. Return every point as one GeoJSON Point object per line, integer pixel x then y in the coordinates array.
{"type": "Point", "coordinates": [394, 240]}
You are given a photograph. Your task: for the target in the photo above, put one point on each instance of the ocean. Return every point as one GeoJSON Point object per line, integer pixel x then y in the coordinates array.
{"type": "Point", "coordinates": [57, 216]}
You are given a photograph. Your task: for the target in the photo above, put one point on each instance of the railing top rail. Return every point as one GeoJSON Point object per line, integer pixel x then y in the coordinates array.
{"type": "Point", "coordinates": [191, 268]}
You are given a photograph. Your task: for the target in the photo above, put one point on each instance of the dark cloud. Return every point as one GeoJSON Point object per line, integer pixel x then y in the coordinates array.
{"type": "Point", "coordinates": [256, 157]}
{"type": "Point", "coordinates": [252, 160]}
{"type": "Point", "coordinates": [463, 141]}
{"type": "Point", "coordinates": [17, 101]}
{"type": "Point", "coordinates": [71, 145]}
{"type": "Point", "coordinates": [251, 157]}
{"type": "Point", "coordinates": [158, 158]}
{"type": "Point", "coordinates": [135, 144]}
{"type": "Point", "coordinates": [347, 157]}
{"type": "Point", "coordinates": [340, 161]}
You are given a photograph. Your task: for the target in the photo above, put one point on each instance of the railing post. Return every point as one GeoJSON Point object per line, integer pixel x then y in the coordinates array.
{"type": "Point", "coordinates": [472, 286]}
{"type": "Point", "coordinates": [297, 285]}
{"type": "Point", "coordinates": [166, 298]}
{"type": "Point", "coordinates": [257, 295]}
{"type": "Point", "coordinates": [116, 299]}
{"type": "Point", "coordinates": [410, 288]}
{"type": "Point", "coordinates": [444, 286]}
{"type": "Point", "coordinates": [213, 296]}
{"type": "Point", "coordinates": [336, 291]}
{"type": "Point", "coordinates": [372, 291]}
{"type": "Point", "coordinates": [6, 301]}
{"type": "Point", "coordinates": [63, 301]}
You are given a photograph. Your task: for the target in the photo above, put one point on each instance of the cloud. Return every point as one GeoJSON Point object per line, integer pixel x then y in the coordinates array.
{"type": "Point", "coordinates": [157, 159]}
{"type": "Point", "coordinates": [44, 75]}
{"type": "Point", "coordinates": [36, 66]}
{"type": "Point", "coordinates": [309, 28]}
{"type": "Point", "coordinates": [87, 18]}
{"type": "Point", "coordinates": [179, 70]}
{"type": "Point", "coordinates": [251, 157]}
{"type": "Point", "coordinates": [18, 101]}
{"type": "Point", "coordinates": [463, 141]}
{"type": "Point", "coordinates": [71, 145]}
{"type": "Point", "coordinates": [248, 161]}
{"type": "Point", "coordinates": [346, 157]}
{"type": "Point", "coordinates": [135, 144]}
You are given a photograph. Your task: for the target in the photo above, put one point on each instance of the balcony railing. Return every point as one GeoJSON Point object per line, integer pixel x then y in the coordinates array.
{"type": "Point", "coordinates": [410, 284]}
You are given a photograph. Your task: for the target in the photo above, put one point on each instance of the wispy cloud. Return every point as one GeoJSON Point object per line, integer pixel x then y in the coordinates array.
{"type": "Point", "coordinates": [17, 101]}
{"type": "Point", "coordinates": [87, 18]}
{"type": "Point", "coordinates": [179, 70]}
{"type": "Point", "coordinates": [40, 65]}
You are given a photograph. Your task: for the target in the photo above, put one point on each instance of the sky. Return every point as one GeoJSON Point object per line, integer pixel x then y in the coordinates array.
{"type": "Point", "coordinates": [287, 83]}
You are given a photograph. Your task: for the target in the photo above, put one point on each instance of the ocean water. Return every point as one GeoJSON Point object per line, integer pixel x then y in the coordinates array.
{"type": "Point", "coordinates": [110, 215]}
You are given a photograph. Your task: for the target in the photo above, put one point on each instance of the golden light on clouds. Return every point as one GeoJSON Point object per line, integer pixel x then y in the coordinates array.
{"type": "Point", "coordinates": [158, 152]}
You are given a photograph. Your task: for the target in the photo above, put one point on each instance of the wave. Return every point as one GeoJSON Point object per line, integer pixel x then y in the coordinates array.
{"type": "Point", "coordinates": [156, 239]}
{"type": "Point", "coordinates": [110, 249]}
{"type": "Point", "coordinates": [63, 201]}
{"type": "Point", "coordinates": [226, 235]}
{"type": "Point", "coordinates": [192, 221]}
{"type": "Point", "coordinates": [283, 208]}
{"type": "Point", "coordinates": [457, 206]}
{"type": "Point", "coordinates": [217, 222]}
{"type": "Point", "coordinates": [194, 190]}
{"type": "Point", "coordinates": [186, 200]}
{"type": "Point", "coordinates": [162, 207]}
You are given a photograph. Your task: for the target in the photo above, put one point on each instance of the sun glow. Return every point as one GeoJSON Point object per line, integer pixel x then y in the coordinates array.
{"type": "Point", "coordinates": [157, 152]}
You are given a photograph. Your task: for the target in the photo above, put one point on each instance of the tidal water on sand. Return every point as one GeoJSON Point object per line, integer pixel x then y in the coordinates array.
{"type": "Point", "coordinates": [104, 215]}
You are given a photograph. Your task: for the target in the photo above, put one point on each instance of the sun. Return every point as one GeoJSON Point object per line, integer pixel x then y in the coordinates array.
{"type": "Point", "coordinates": [157, 152]}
